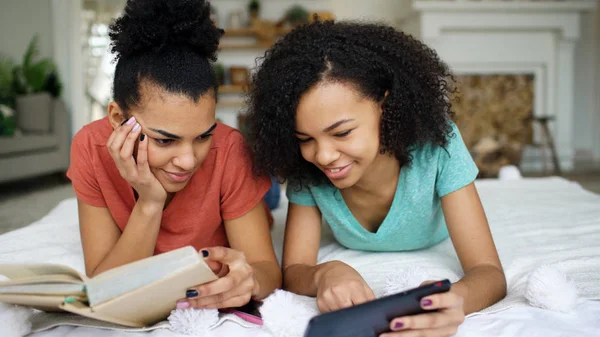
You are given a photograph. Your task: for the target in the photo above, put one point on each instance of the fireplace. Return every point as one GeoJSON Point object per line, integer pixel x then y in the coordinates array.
{"type": "Point", "coordinates": [495, 115]}
{"type": "Point", "coordinates": [531, 42]}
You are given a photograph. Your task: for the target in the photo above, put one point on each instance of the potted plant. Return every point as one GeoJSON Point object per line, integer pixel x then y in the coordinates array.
{"type": "Point", "coordinates": [297, 15]}
{"type": "Point", "coordinates": [254, 9]}
{"type": "Point", "coordinates": [36, 82]}
{"type": "Point", "coordinates": [7, 97]}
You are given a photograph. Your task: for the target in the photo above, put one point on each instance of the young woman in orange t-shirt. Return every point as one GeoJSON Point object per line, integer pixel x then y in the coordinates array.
{"type": "Point", "coordinates": [159, 172]}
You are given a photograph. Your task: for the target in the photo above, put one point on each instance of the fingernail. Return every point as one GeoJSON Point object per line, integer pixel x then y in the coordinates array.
{"type": "Point", "coordinates": [205, 253]}
{"type": "Point", "coordinates": [142, 136]}
{"type": "Point", "coordinates": [131, 120]}
{"type": "Point", "coordinates": [191, 293]}
{"type": "Point", "coordinates": [183, 305]}
{"type": "Point", "coordinates": [136, 127]}
{"type": "Point", "coordinates": [124, 121]}
{"type": "Point", "coordinates": [426, 302]}
{"type": "Point", "coordinates": [398, 325]}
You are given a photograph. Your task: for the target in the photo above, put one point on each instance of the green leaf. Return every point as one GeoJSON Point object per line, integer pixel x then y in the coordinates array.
{"type": "Point", "coordinates": [32, 52]}
{"type": "Point", "coordinates": [35, 74]}
{"type": "Point", "coordinates": [6, 76]}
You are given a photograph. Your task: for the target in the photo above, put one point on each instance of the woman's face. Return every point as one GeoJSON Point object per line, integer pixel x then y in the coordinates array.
{"type": "Point", "coordinates": [179, 133]}
{"type": "Point", "coordinates": [338, 131]}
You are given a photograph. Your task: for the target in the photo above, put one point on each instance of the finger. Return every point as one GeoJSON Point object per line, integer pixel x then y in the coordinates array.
{"type": "Point", "coordinates": [424, 283]}
{"type": "Point", "coordinates": [370, 293]}
{"type": "Point", "coordinates": [238, 275]}
{"type": "Point", "coordinates": [323, 305]}
{"type": "Point", "coordinates": [244, 289]}
{"type": "Point", "coordinates": [142, 155]}
{"type": "Point", "coordinates": [223, 254]}
{"type": "Point", "coordinates": [120, 134]}
{"type": "Point", "coordinates": [217, 267]}
{"type": "Point", "coordinates": [233, 302]}
{"type": "Point", "coordinates": [442, 301]}
{"type": "Point", "coordinates": [430, 320]}
{"type": "Point", "coordinates": [115, 131]}
{"type": "Point", "coordinates": [342, 300]}
{"type": "Point", "coordinates": [126, 152]}
{"type": "Point", "coordinates": [441, 332]}
{"type": "Point", "coordinates": [362, 296]}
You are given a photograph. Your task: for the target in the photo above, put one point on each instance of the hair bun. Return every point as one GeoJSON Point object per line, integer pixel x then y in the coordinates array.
{"type": "Point", "coordinates": [156, 25]}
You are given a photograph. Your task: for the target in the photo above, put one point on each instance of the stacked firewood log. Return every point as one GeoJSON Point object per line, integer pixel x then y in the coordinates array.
{"type": "Point", "coordinates": [493, 113]}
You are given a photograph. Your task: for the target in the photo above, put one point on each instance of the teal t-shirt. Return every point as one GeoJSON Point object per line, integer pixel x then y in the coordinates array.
{"type": "Point", "coordinates": [415, 219]}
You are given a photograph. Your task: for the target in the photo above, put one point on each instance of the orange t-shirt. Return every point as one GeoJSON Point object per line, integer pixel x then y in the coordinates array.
{"type": "Point", "coordinates": [223, 187]}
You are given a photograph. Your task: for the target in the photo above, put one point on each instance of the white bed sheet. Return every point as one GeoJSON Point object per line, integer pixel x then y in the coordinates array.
{"type": "Point", "coordinates": [574, 214]}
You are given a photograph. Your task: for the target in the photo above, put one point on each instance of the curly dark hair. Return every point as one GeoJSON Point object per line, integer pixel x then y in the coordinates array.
{"type": "Point", "coordinates": [170, 43]}
{"type": "Point", "coordinates": [374, 59]}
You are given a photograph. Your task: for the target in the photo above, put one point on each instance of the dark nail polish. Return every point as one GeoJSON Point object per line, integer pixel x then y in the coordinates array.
{"type": "Point", "coordinates": [426, 303]}
{"type": "Point", "coordinates": [191, 293]}
{"type": "Point", "coordinates": [142, 136]}
{"type": "Point", "coordinates": [124, 121]}
{"type": "Point", "coordinates": [205, 253]}
{"type": "Point", "coordinates": [398, 325]}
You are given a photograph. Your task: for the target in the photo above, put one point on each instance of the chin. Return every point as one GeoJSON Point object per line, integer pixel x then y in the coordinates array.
{"type": "Point", "coordinates": [173, 187]}
{"type": "Point", "coordinates": [343, 183]}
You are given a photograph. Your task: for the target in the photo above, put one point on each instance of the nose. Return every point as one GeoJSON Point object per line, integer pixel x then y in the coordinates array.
{"type": "Point", "coordinates": [185, 159]}
{"type": "Point", "coordinates": [326, 154]}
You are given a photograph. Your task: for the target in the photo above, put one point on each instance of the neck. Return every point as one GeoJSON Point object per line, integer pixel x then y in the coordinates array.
{"type": "Point", "coordinates": [384, 170]}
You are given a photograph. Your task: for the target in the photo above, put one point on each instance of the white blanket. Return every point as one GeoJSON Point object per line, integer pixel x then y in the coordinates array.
{"type": "Point", "coordinates": [534, 222]}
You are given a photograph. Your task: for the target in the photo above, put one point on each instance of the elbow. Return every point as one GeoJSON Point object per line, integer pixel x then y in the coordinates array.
{"type": "Point", "coordinates": [286, 277]}
{"type": "Point", "coordinates": [502, 285]}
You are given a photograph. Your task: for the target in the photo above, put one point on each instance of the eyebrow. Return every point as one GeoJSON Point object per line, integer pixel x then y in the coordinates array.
{"type": "Point", "coordinates": [331, 127]}
{"type": "Point", "coordinates": [170, 135]}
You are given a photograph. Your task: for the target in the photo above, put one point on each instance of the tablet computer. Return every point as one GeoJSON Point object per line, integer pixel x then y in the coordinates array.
{"type": "Point", "coordinates": [373, 318]}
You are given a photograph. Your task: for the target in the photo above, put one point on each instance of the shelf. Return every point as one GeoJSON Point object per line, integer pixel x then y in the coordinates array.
{"type": "Point", "coordinates": [251, 31]}
{"type": "Point", "coordinates": [231, 89]}
{"type": "Point", "coordinates": [241, 46]}
{"type": "Point", "coordinates": [239, 32]}
{"type": "Point", "coordinates": [231, 104]}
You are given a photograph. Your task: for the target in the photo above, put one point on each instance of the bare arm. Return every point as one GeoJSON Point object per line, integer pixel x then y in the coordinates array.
{"type": "Point", "coordinates": [105, 247]}
{"type": "Point", "coordinates": [484, 282]}
{"type": "Point", "coordinates": [301, 248]}
{"type": "Point", "coordinates": [335, 284]}
{"type": "Point", "coordinates": [250, 234]}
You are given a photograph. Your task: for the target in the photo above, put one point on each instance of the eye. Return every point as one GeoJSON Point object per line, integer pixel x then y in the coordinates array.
{"type": "Point", "coordinates": [343, 134]}
{"type": "Point", "coordinates": [306, 140]}
{"type": "Point", "coordinates": [163, 142]}
{"type": "Point", "coordinates": [204, 137]}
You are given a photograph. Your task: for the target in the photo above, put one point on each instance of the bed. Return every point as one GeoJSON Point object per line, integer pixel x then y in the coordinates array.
{"type": "Point", "coordinates": [535, 222]}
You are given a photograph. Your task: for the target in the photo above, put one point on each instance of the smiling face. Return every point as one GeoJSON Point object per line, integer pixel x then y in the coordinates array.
{"type": "Point", "coordinates": [179, 133]}
{"type": "Point", "coordinates": [338, 131]}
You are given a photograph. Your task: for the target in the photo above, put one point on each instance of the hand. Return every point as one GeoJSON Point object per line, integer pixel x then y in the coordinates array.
{"type": "Point", "coordinates": [340, 286]}
{"type": "Point", "coordinates": [120, 145]}
{"type": "Point", "coordinates": [234, 288]}
{"type": "Point", "coordinates": [442, 323]}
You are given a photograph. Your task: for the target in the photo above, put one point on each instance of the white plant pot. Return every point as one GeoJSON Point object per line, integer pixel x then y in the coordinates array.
{"type": "Point", "coordinates": [33, 113]}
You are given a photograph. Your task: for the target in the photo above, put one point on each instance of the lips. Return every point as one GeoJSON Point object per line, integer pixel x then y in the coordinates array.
{"type": "Point", "coordinates": [338, 172]}
{"type": "Point", "coordinates": [178, 176]}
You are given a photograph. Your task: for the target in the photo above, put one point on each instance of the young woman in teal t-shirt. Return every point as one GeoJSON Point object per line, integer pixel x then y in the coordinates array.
{"type": "Point", "coordinates": [357, 117]}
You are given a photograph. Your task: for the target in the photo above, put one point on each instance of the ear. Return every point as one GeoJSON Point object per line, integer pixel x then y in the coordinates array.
{"type": "Point", "coordinates": [116, 116]}
{"type": "Point", "coordinates": [383, 100]}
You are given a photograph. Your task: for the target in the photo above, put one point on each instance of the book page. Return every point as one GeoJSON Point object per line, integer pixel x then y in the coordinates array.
{"type": "Point", "coordinates": [40, 302]}
{"type": "Point", "coordinates": [44, 289]}
{"type": "Point", "coordinates": [44, 279]}
{"type": "Point", "coordinates": [31, 271]}
{"type": "Point", "coordinates": [124, 279]}
{"type": "Point", "coordinates": [154, 302]}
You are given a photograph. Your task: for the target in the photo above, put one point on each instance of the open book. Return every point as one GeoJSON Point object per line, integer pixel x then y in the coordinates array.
{"type": "Point", "coordinates": [138, 294]}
